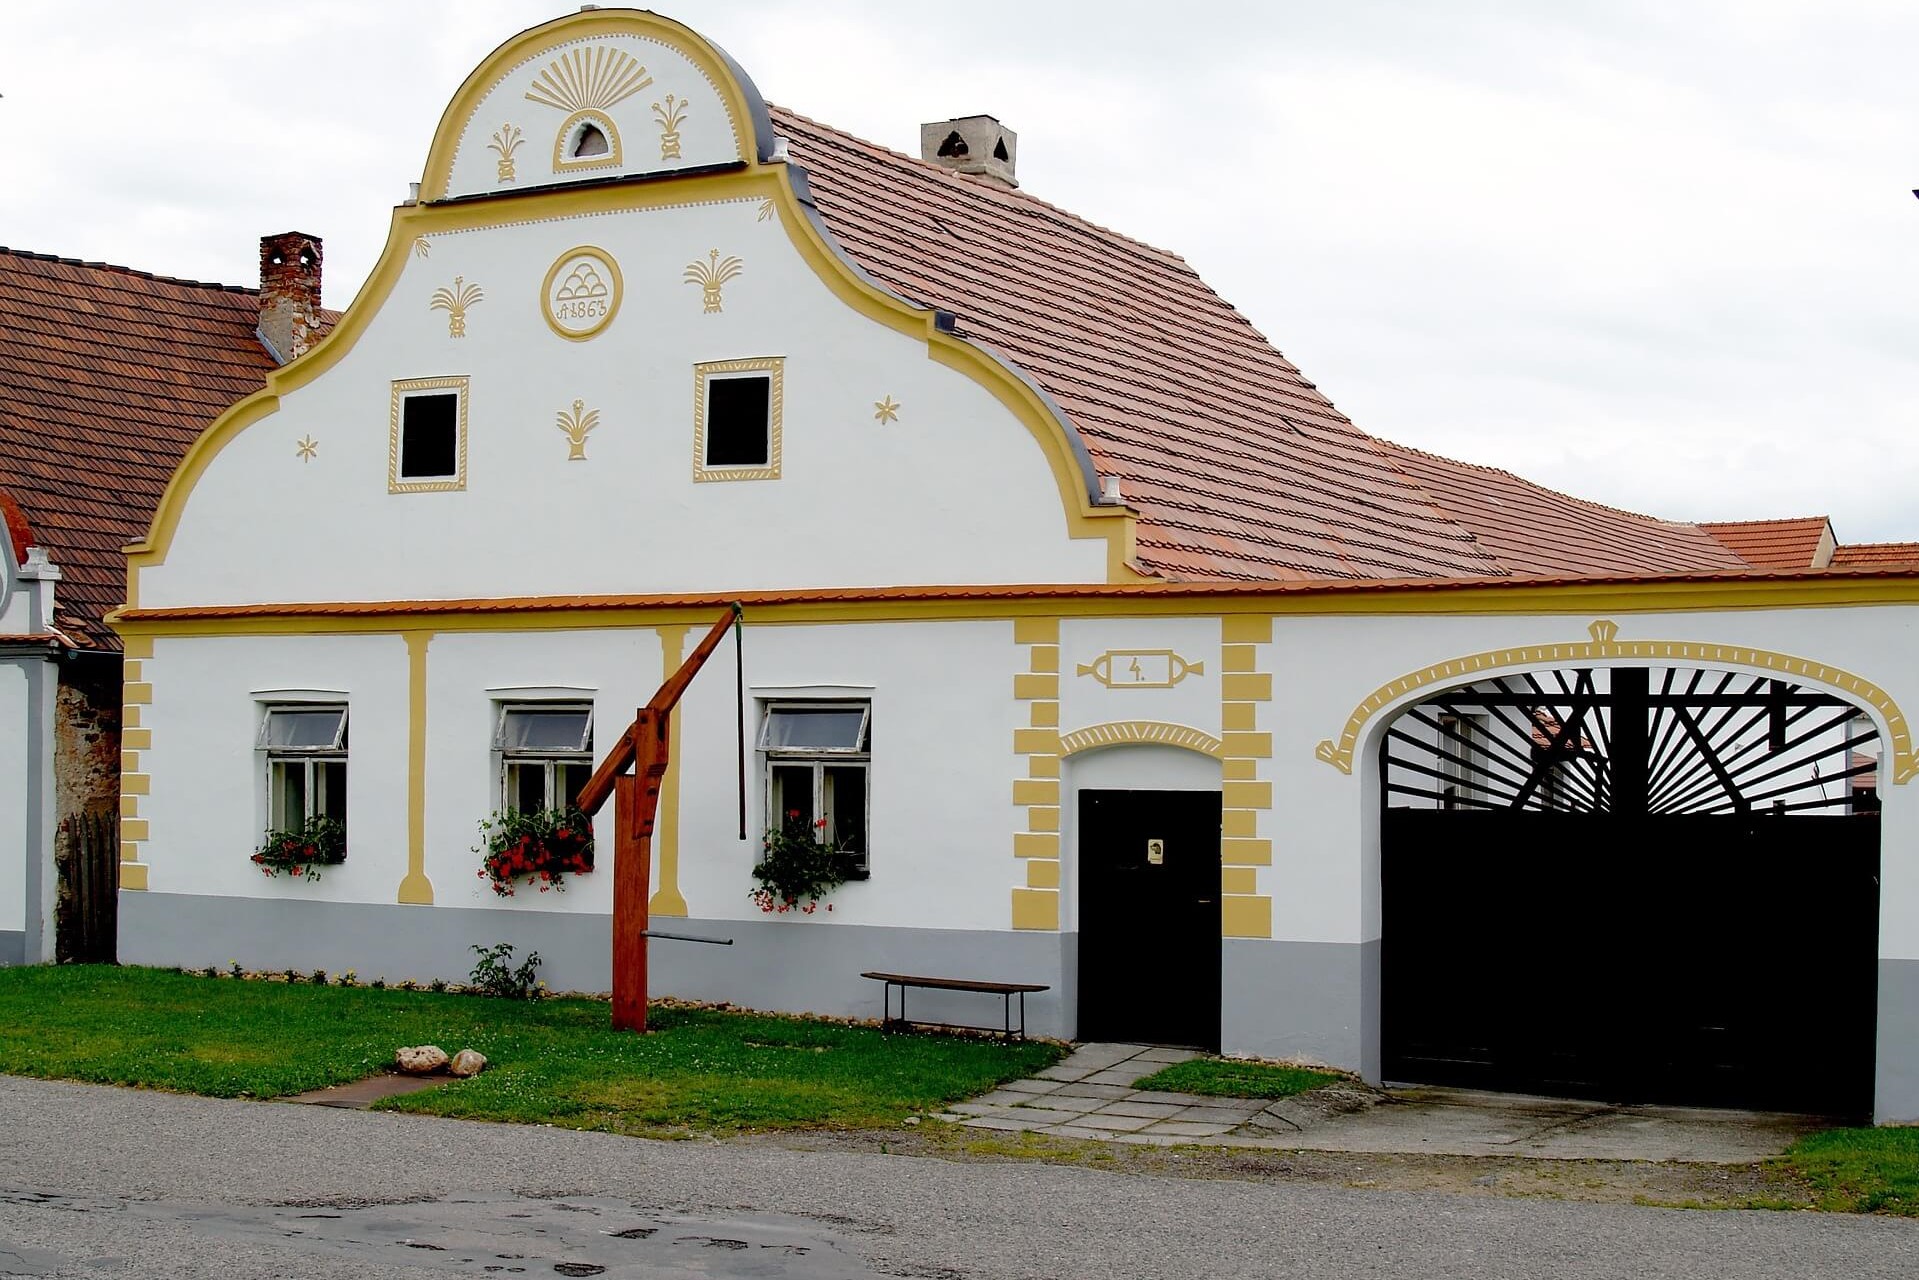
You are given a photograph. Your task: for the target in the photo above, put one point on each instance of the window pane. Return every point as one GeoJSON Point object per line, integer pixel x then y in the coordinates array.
{"type": "Point", "coordinates": [790, 728]}
{"type": "Point", "coordinates": [287, 794]}
{"type": "Point", "coordinates": [429, 436]}
{"type": "Point", "coordinates": [572, 778]}
{"type": "Point", "coordinates": [545, 729]}
{"type": "Point", "coordinates": [790, 797]}
{"type": "Point", "coordinates": [329, 777]}
{"type": "Point", "coordinates": [736, 421]}
{"type": "Point", "coordinates": [526, 785]}
{"type": "Point", "coordinates": [845, 803]}
{"type": "Point", "coordinates": [305, 729]}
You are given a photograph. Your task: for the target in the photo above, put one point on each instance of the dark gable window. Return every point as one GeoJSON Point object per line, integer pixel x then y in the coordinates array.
{"type": "Point", "coordinates": [430, 436]}
{"type": "Point", "coordinates": [737, 418]}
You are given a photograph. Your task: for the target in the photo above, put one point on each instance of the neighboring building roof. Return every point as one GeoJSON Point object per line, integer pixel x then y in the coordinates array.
{"type": "Point", "coordinates": [1802, 543]}
{"type": "Point", "coordinates": [1240, 468]}
{"type": "Point", "coordinates": [107, 375]}
{"type": "Point", "coordinates": [1864, 553]}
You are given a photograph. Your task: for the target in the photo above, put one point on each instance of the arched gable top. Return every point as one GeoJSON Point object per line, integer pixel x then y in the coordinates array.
{"type": "Point", "coordinates": [600, 94]}
{"type": "Point", "coordinates": [1606, 649]}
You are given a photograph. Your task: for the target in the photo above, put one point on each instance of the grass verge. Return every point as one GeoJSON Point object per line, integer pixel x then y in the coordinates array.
{"type": "Point", "coordinates": [552, 1061]}
{"type": "Point", "coordinates": [1860, 1170]}
{"type": "Point", "coordinates": [1220, 1078]}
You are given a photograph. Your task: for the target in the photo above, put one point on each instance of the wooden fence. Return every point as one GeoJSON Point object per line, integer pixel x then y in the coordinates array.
{"type": "Point", "coordinates": [87, 912]}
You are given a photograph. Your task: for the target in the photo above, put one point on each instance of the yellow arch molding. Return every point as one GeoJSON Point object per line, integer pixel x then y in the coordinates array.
{"type": "Point", "coordinates": [1604, 646]}
{"type": "Point", "coordinates": [1155, 732]}
{"type": "Point", "coordinates": [754, 180]}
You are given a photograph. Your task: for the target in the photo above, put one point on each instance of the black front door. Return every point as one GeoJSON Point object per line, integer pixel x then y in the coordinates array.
{"type": "Point", "coordinates": [1149, 922]}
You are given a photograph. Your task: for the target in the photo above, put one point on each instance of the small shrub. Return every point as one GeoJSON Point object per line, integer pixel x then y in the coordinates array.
{"type": "Point", "coordinates": [798, 866]}
{"type": "Point", "coordinates": [319, 977]}
{"type": "Point", "coordinates": [408, 984]}
{"type": "Point", "coordinates": [293, 976]}
{"type": "Point", "coordinates": [438, 984]}
{"type": "Point", "coordinates": [495, 974]}
{"type": "Point", "coordinates": [349, 979]}
{"type": "Point", "coordinates": [233, 968]}
{"type": "Point", "coordinates": [378, 984]}
{"type": "Point", "coordinates": [212, 971]}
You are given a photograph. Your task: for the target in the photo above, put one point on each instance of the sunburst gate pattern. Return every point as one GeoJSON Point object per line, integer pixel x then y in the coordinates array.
{"type": "Point", "coordinates": [710, 275]}
{"type": "Point", "coordinates": [589, 79]}
{"type": "Point", "coordinates": [454, 301]}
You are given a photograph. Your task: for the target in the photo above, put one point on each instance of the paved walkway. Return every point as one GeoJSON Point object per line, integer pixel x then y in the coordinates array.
{"type": "Point", "coordinates": [1090, 1094]}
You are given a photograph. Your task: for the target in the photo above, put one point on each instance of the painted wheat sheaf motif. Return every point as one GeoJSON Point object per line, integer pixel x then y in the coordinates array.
{"type": "Point", "coordinates": [454, 301]}
{"type": "Point", "coordinates": [710, 275]}
{"type": "Point", "coordinates": [589, 79]}
{"type": "Point", "coordinates": [577, 424]}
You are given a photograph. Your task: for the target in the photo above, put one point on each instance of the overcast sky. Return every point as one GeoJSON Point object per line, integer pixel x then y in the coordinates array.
{"type": "Point", "coordinates": [1662, 255]}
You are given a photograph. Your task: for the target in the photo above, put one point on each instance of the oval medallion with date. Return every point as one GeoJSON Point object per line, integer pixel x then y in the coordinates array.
{"type": "Point", "coordinates": [582, 293]}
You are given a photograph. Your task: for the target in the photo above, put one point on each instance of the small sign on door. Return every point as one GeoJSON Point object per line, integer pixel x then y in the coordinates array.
{"type": "Point", "coordinates": [1155, 852]}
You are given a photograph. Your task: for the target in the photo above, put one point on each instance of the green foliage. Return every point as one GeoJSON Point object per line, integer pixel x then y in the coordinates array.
{"type": "Point", "coordinates": [302, 851]}
{"type": "Point", "coordinates": [798, 866]}
{"type": "Point", "coordinates": [552, 1061]}
{"type": "Point", "coordinates": [543, 847]}
{"type": "Point", "coordinates": [494, 973]}
{"type": "Point", "coordinates": [1861, 1170]}
{"type": "Point", "coordinates": [1221, 1078]}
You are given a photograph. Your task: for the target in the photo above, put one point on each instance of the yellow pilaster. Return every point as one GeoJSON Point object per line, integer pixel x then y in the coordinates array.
{"type": "Point", "coordinates": [1244, 692]}
{"type": "Point", "coordinates": [416, 889]}
{"type": "Point", "coordinates": [1035, 902]}
{"type": "Point", "coordinates": [136, 694]}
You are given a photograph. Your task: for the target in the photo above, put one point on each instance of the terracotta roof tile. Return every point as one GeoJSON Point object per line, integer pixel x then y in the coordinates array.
{"type": "Point", "coordinates": [1773, 544]}
{"type": "Point", "coordinates": [107, 375]}
{"type": "Point", "coordinates": [1869, 553]}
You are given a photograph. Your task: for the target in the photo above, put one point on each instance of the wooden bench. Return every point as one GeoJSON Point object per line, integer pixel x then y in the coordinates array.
{"type": "Point", "coordinates": [1005, 990]}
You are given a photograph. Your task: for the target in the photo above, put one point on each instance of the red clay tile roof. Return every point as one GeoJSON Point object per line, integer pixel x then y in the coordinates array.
{"type": "Point", "coordinates": [1240, 468]}
{"type": "Point", "coordinates": [106, 376]}
{"type": "Point", "coordinates": [1773, 544]}
{"type": "Point", "coordinates": [1863, 553]}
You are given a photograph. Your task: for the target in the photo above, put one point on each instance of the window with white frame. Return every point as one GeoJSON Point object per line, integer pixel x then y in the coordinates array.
{"type": "Point", "coordinates": [1462, 759]}
{"type": "Point", "coordinates": [305, 751]}
{"type": "Point", "coordinates": [817, 759]}
{"type": "Point", "coordinates": [546, 753]}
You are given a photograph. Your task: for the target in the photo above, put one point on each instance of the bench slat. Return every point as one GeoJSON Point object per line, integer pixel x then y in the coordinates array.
{"type": "Point", "coordinates": [957, 984]}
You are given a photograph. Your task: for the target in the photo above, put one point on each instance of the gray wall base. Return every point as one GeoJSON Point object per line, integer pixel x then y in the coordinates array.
{"type": "Point", "coordinates": [1896, 1089]}
{"type": "Point", "coordinates": [799, 968]}
{"type": "Point", "coordinates": [1302, 1000]}
{"type": "Point", "coordinates": [13, 946]}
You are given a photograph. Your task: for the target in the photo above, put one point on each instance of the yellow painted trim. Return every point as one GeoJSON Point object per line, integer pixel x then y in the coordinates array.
{"type": "Point", "coordinates": [1246, 917]}
{"type": "Point", "coordinates": [667, 899]}
{"type": "Point", "coordinates": [615, 155]}
{"type": "Point", "coordinates": [136, 739]}
{"type": "Point", "coordinates": [131, 672]}
{"type": "Point", "coordinates": [1044, 715]}
{"type": "Point", "coordinates": [1238, 717]}
{"type": "Point", "coordinates": [416, 889]}
{"type": "Point", "coordinates": [1036, 631]}
{"type": "Point", "coordinates": [1237, 658]}
{"type": "Point", "coordinates": [1027, 844]}
{"type": "Point", "coordinates": [1238, 822]}
{"type": "Point", "coordinates": [1152, 732]}
{"type": "Point", "coordinates": [129, 760]}
{"type": "Point", "coordinates": [1036, 791]}
{"type": "Point", "coordinates": [1240, 770]}
{"type": "Point", "coordinates": [1030, 742]}
{"type": "Point", "coordinates": [129, 716]}
{"type": "Point", "coordinates": [1246, 795]}
{"type": "Point", "coordinates": [1238, 879]}
{"type": "Point", "coordinates": [1247, 629]}
{"type": "Point", "coordinates": [1257, 746]}
{"type": "Point", "coordinates": [1045, 659]}
{"type": "Point", "coordinates": [1028, 686]}
{"type": "Point", "coordinates": [133, 875]}
{"type": "Point", "coordinates": [1605, 647]}
{"type": "Point", "coordinates": [133, 830]}
{"type": "Point", "coordinates": [403, 390]}
{"type": "Point", "coordinates": [129, 807]}
{"type": "Point", "coordinates": [129, 851]}
{"type": "Point", "coordinates": [1035, 909]}
{"type": "Point", "coordinates": [1042, 818]}
{"type": "Point", "coordinates": [1042, 873]}
{"type": "Point", "coordinates": [1042, 766]}
{"type": "Point", "coordinates": [774, 367]}
{"type": "Point", "coordinates": [1246, 686]}
{"type": "Point", "coordinates": [137, 695]}
{"type": "Point", "coordinates": [137, 647]}
{"type": "Point", "coordinates": [606, 260]}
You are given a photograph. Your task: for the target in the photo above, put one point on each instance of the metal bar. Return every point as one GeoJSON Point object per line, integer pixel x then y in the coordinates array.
{"type": "Point", "coordinates": [684, 937]}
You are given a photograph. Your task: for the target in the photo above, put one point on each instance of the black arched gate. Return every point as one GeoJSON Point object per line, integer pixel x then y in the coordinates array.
{"type": "Point", "coordinates": [1650, 884]}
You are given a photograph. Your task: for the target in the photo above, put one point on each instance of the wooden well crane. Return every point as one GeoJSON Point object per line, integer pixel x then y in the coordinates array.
{"type": "Point", "coordinates": [636, 805]}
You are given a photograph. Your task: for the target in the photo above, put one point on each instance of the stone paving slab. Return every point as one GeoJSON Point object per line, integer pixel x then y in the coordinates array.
{"type": "Point", "coordinates": [1000, 1123]}
{"type": "Point", "coordinates": [1037, 1086]}
{"type": "Point", "coordinates": [1116, 1075]}
{"type": "Point", "coordinates": [1090, 1092]}
{"type": "Point", "coordinates": [1134, 1107]}
{"type": "Point", "coordinates": [1190, 1129]}
{"type": "Point", "coordinates": [1167, 1055]}
{"type": "Point", "coordinates": [1118, 1124]}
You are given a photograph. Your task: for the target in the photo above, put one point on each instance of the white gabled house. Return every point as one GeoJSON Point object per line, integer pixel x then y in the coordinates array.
{"type": "Point", "coordinates": [1132, 667]}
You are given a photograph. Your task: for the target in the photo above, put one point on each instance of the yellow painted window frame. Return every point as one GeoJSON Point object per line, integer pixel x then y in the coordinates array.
{"type": "Point", "coordinates": [775, 368]}
{"type": "Point", "coordinates": [402, 388]}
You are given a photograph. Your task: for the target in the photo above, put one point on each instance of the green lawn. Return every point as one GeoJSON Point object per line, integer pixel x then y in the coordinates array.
{"type": "Point", "coordinates": [551, 1061]}
{"type": "Point", "coordinates": [1226, 1079]}
{"type": "Point", "coordinates": [1861, 1170]}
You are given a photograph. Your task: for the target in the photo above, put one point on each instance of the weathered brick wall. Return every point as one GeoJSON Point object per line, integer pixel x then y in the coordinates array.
{"type": "Point", "coordinates": [86, 732]}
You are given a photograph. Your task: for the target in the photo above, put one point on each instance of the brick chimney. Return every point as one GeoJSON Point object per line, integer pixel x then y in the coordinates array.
{"type": "Point", "coordinates": [977, 146]}
{"type": "Point", "coordinates": [289, 293]}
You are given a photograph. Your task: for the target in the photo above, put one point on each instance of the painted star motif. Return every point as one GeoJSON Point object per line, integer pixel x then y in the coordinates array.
{"type": "Point", "coordinates": [887, 410]}
{"type": "Point", "coordinates": [308, 447]}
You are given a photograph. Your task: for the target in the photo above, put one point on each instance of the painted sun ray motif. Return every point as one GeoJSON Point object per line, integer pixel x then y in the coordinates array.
{"type": "Point", "coordinates": [710, 275]}
{"type": "Point", "coordinates": [589, 80]}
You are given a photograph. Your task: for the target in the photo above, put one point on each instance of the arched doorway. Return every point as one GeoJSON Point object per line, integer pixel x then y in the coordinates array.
{"type": "Point", "coordinates": [1649, 883]}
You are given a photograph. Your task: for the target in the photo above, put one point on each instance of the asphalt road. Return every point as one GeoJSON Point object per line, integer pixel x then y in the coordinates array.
{"type": "Point", "coordinates": [99, 1183]}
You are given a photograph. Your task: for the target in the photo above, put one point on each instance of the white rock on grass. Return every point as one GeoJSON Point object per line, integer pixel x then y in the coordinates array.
{"type": "Point", "coordinates": [468, 1062]}
{"type": "Point", "coordinates": [420, 1059]}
